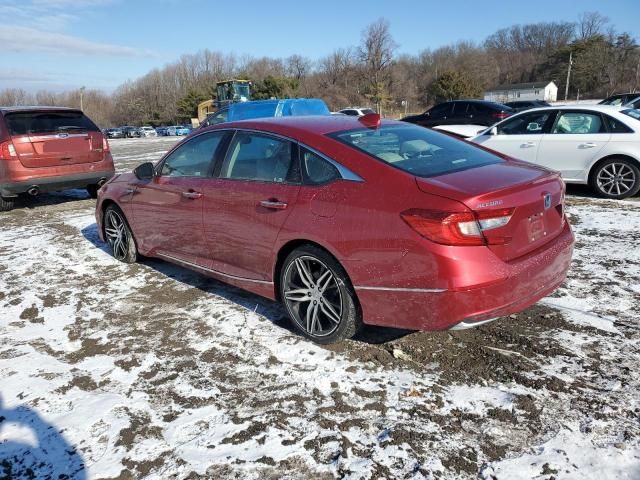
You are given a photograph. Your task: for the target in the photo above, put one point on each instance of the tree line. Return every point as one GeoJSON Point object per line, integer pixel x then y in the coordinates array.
{"type": "Point", "coordinates": [373, 73]}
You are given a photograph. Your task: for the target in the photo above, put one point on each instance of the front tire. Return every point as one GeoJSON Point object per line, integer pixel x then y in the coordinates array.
{"type": "Point", "coordinates": [319, 296]}
{"type": "Point", "coordinates": [119, 235]}
{"type": "Point", "coordinates": [6, 204]}
{"type": "Point", "coordinates": [616, 178]}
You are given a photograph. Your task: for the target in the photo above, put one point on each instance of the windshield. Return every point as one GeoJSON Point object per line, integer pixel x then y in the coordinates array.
{"type": "Point", "coordinates": [25, 123]}
{"type": "Point", "coordinates": [417, 150]}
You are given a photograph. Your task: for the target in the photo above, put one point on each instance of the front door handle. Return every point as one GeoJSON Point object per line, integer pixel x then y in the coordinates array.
{"type": "Point", "coordinates": [528, 145]}
{"type": "Point", "coordinates": [273, 204]}
{"type": "Point", "coordinates": [191, 195]}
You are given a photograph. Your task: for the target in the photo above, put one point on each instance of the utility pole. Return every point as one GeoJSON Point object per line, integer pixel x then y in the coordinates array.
{"type": "Point", "coordinates": [566, 87]}
{"type": "Point", "coordinates": [81, 94]}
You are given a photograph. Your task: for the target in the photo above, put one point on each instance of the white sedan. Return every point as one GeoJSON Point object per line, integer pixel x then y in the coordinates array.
{"type": "Point", "coordinates": [598, 145]}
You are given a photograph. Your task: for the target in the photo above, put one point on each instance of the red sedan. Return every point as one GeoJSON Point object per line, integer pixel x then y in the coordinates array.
{"type": "Point", "coordinates": [349, 221]}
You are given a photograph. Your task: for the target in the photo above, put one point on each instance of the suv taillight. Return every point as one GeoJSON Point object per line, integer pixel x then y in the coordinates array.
{"type": "Point", "coordinates": [501, 115]}
{"type": "Point", "coordinates": [7, 150]}
{"type": "Point", "coordinates": [458, 228]}
{"type": "Point", "coordinates": [105, 144]}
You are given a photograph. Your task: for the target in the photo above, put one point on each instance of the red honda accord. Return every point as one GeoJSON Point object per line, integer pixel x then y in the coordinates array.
{"type": "Point", "coordinates": [348, 221]}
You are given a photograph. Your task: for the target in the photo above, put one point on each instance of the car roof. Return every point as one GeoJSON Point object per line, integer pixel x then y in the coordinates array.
{"type": "Point", "coordinates": [594, 107]}
{"type": "Point", "coordinates": [316, 124]}
{"type": "Point", "coordinates": [32, 108]}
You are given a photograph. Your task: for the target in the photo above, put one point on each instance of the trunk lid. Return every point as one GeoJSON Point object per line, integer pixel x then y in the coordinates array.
{"type": "Point", "coordinates": [54, 138]}
{"type": "Point", "coordinates": [535, 194]}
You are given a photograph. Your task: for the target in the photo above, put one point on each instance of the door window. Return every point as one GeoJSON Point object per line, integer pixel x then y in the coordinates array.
{"type": "Point", "coordinates": [579, 123]}
{"type": "Point", "coordinates": [616, 126]}
{"type": "Point", "coordinates": [460, 108]}
{"type": "Point", "coordinates": [193, 158]}
{"type": "Point", "coordinates": [526, 124]}
{"type": "Point", "coordinates": [440, 111]}
{"type": "Point", "coordinates": [253, 156]}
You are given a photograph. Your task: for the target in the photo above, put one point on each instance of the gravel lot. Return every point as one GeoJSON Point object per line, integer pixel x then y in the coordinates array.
{"type": "Point", "coordinates": [151, 371]}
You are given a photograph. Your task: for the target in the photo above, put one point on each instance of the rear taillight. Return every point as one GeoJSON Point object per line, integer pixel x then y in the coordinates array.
{"type": "Point", "coordinates": [500, 115]}
{"type": "Point", "coordinates": [7, 151]}
{"type": "Point", "coordinates": [458, 228]}
{"type": "Point", "coordinates": [105, 144]}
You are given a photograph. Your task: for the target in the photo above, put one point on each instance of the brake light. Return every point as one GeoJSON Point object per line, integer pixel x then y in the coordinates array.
{"type": "Point", "coordinates": [458, 228]}
{"type": "Point", "coordinates": [105, 144]}
{"type": "Point", "coordinates": [7, 150]}
{"type": "Point", "coordinates": [501, 115]}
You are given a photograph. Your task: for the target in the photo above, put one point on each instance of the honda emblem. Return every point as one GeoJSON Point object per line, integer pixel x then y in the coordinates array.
{"type": "Point", "coordinates": [547, 201]}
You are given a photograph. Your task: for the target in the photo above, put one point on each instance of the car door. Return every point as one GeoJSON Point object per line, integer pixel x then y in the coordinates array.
{"type": "Point", "coordinates": [167, 210]}
{"type": "Point", "coordinates": [247, 202]}
{"type": "Point", "coordinates": [519, 136]}
{"type": "Point", "coordinates": [573, 143]}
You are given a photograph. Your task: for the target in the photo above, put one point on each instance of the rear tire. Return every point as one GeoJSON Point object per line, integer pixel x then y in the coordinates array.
{"type": "Point", "coordinates": [6, 204]}
{"type": "Point", "coordinates": [119, 236]}
{"type": "Point", "coordinates": [318, 296]}
{"type": "Point", "coordinates": [616, 178]}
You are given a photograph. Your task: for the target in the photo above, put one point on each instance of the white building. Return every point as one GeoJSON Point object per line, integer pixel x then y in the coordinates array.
{"type": "Point", "coordinates": [547, 91]}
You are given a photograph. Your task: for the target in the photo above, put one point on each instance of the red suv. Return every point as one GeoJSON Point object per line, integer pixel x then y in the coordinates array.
{"type": "Point", "coordinates": [45, 149]}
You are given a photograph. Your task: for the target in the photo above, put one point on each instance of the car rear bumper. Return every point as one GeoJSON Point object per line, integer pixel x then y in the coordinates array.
{"type": "Point", "coordinates": [526, 281]}
{"type": "Point", "coordinates": [55, 183]}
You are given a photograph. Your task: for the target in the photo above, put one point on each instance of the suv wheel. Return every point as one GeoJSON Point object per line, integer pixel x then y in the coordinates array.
{"type": "Point", "coordinates": [119, 236]}
{"type": "Point", "coordinates": [6, 204]}
{"type": "Point", "coordinates": [319, 296]}
{"type": "Point", "coordinates": [616, 178]}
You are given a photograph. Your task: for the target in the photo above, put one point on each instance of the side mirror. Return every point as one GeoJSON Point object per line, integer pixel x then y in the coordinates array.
{"type": "Point", "coordinates": [144, 171]}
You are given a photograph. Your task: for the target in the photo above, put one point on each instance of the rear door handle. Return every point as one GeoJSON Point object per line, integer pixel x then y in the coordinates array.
{"type": "Point", "coordinates": [528, 145]}
{"type": "Point", "coordinates": [273, 204]}
{"type": "Point", "coordinates": [588, 145]}
{"type": "Point", "coordinates": [191, 195]}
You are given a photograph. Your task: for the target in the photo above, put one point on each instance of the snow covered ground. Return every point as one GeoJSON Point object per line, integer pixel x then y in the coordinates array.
{"type": "Point", "coordinates": [151, 371]}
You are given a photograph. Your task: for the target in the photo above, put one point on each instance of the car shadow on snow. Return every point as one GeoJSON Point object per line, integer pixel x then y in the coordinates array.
{"type": "Point", "coordinates": [272, 311]}
{"type": "Point", "coordinates": [44, 454]}
{"type": "Point", "coordinates": [50, 199]}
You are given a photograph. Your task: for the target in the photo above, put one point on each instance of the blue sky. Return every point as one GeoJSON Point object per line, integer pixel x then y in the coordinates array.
{"type": "Point", "coordinates": [60, 44]}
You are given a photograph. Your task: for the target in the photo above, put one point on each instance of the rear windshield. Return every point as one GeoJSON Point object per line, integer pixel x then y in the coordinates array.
{"type": "Point", "coordinates": [417, 150]}
{"type": "Point", "coordinates": [634, 113]}
{"type": "Point", "coordinates": [26, 123]}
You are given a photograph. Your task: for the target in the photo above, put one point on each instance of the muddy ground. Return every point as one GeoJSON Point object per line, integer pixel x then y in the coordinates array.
{"type": "Point", "coordinates": [152, 371]}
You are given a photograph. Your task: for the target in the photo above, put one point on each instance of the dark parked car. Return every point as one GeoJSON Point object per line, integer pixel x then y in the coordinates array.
{"type": "Point", "coordinates": [462, 112]}
{"type": "Point", "coordinates": [522, 105]}
{"type": "Point", "coordinates": [115, 133]}
{"type": "Point", "coordinates": [131, 132]}
{"type": "Point", "coordinates": [348, 220]}
{"type": "Point", "coordinates": [45, 149]}
{"type": "Point", "coordinates": [620, 99]}
{"type": "Point", "coordinates": [161, 131]}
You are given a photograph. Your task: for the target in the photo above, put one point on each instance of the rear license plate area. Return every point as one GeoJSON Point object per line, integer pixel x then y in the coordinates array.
{"type": "Point", "coordinates": [536, 227]}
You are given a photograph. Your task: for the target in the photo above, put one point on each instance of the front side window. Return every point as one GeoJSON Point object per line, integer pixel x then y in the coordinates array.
{"type": "Point", "coordinates": [526, 124]}
{"type": "Point", "coordinates": [253, 156]}
{"type": "Point", "coordinates": [193, 158]}
{"type": "Point", "coordinates": [418, 151]}
{"type": "Point", "coordinates": [440, 111]}
{"type": "Point", "coordinates": [633, 113]}
{"type": "Point", "coordinates": [578, 123]}
{"type": "Point", "coordinates": [316, 169]}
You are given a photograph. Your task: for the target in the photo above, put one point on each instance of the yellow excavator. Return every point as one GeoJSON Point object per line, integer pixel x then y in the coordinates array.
{"type": "Point", "coordinates": [228, 91]}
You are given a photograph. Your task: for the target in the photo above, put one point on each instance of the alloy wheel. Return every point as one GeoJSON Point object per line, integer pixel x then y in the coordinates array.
{"type": "Point", "coordinates": [312, 296]}
{"type": "Point", "coordinates": [117, 234]}
{"type": "Point", "coordinates": [616, 179]}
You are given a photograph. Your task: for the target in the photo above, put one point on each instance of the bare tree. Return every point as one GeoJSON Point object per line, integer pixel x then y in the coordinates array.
{"type": "Point", "coordinates": [591, 24]}
{"type": "Point", "coordinates": [376, 53]}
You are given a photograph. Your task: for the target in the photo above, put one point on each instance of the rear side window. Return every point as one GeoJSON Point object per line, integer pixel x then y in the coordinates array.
{"type": "Point", "coordinates": [633, 113]}
{"type": "Point", "coordinates": [578, 123]}
{"type": "Point", "coordinates": [27, 123]}
{"type": "Point", "coordinates": [416, 150]}
{"type": "Point", "coordinates": [316, 169]}
{"type": "Point", "coordinates": [441, 110]}
{"type": "Point", "coordinates": [616, 126]}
